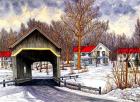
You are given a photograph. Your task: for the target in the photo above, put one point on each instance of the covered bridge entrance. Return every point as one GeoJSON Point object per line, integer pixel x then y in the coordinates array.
{"type": "Point", "coordinates": [33, 47]}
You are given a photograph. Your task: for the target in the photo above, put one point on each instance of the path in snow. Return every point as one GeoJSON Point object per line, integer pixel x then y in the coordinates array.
{"type": "Point", "coordinates": [42, 94]}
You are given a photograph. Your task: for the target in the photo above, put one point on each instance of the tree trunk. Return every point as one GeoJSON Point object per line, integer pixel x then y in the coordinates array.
{"type": "Point", "coordinates": [79, 53]}
{"type": "Point", "coordinates": [126, 74]}
{"type": "Point", "coordinates": [2, 61]}
{"type": "Point", "coordinates": [47, 69]}
{"type": "Point", "coordinates": [136, 70]}
{"type": "Point", "coordinates": [67, 55]}
{"type": "Point", "coordinates": [40, 66]}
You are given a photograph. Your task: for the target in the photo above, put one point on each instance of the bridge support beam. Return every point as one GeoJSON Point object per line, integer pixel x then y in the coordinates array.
{"type": "Point", "coordinates": [21, 70]}
{"type": "Point", "coordinates": [56, 70]}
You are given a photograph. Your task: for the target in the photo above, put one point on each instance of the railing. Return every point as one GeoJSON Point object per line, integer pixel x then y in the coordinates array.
{"type": "Point", "coordinates": [76, 86]}
{"type": "Point", "coordinates": [12, 82]}
{"type": "Point", "coordinates": [60, 82]}
{"type": "Point", "coordinates": [9, 82]}
{"type": "Point", "coordinates": [69, 77]}
{"type": "Point", "coordinates": [66, 65]}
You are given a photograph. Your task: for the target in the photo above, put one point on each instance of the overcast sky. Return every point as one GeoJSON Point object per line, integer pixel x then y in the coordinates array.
{"type": "Point", "coordinates": [122, 14]}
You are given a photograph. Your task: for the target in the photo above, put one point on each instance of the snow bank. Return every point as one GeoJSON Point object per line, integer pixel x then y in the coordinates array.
{"type": "Point", "coordinates": [128, 94]}
{"type": "Point", "coordinates": [16, 94]}
{"type": "Point", "coordinates": [95, 77]}
{"type": "Point", "coordinates": [6, 74]}
{"type": "Point", "coordinates": [106, 97]}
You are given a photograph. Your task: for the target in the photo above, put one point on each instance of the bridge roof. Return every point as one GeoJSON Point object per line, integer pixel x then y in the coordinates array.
{"type": "Point", "coordinates": [30, 32]}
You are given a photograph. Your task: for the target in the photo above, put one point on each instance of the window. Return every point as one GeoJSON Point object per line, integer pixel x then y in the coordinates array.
{"type": "Point", "coordinates": [89, 54]}
{"type": "Point", "coordinates": [133, 55]}
{"type": "Point", "coordinates": [5, 58]}
{"type": "Point", "coordinates": [124, 55]}
{"type": "Point", "coordinates": [98, 53]}
{"type": "Point", "coordinates": [103, 53]}
{"type": "Point", "coordinates": [100, 48]}
{"type": "Point", "coordinates": [83, 54]}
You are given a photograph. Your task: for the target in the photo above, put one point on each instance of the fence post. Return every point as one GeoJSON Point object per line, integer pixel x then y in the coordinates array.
{"type": "Point", "coordinates": [59, 82]}
{"type": "Point", "coordinates": [65, 83]}
{"type": "Point", "coordinates": [100, 90]}
{"type": "Point", "coordinates": [79, 86]}
{"type": "Point", "coordinates": [3, 83]}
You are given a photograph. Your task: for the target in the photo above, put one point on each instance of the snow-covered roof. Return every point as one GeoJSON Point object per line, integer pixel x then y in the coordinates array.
{"type": "Point", "coordinates": [100, 44]}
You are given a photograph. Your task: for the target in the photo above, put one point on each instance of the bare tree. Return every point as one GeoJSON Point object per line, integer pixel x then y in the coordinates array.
{"type": "Point", "coordinates": [137, 33]}
{"type": "Point", "coordinates": [80, 19]}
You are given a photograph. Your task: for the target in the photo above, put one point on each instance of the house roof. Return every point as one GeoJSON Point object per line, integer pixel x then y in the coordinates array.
{"type": "Point", "coordinates": [100, 44]}
{"type": "Point", "coordinates": [84, 48]}
{"type": "Point", "coordinates": [5, 54]}
{"type": "Point", "coordinates": [30, 32]}
{"type": "Point", "coordinates": [127, 50]}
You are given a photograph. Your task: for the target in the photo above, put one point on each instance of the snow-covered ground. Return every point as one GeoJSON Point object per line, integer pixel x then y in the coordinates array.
{"type": "Point", "coordinates": [48, 94]}
{"type": "Point", "coordinates": [128, 94]}
{"type": "Point", "coordinates": [37, 74]}
{"type": "Point", "coordinates": [16, 94]}
{"type": "Point", "coordinates": [6, 74]}
{"type": "Point", "coordinates": [94, 77]}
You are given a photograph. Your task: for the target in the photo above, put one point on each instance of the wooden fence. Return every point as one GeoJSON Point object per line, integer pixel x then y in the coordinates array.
{"type": "Point", "coordinates": [8, 83]}
{"type": "Point", "coordinates": [62, 82]}
{"type": "Point", "coordinates": [76, 86]}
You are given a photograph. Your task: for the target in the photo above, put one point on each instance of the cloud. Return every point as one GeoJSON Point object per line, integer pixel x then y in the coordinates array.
{"type": "Point", "coordinates": [34, 3]}
{"type": "Point", "coordinates": [116, 7]}
{"type": "Point", "coordinates": [16, 5]}
{"type": "Point", "coordinates": [123, 9]}
{"type": "Point", "coordinates": [120, 26]}
{"type": "Point", "coordinates": [122, 14]}
{"type": "Point", "coordinates": [43, 13]}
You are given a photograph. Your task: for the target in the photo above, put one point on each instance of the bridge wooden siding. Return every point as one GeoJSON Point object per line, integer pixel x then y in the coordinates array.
{"type": "Point", "coordinates": [32, 47]}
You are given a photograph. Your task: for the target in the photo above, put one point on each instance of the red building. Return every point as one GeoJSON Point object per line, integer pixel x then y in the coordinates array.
{"type": "Point", "coordinates": [122, 53]}
{"type": "Point", "coordinates": [5, 59]}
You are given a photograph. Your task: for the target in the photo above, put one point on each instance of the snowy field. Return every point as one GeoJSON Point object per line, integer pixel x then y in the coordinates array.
{"type": "Point", "coordinates": [48, 94]}
{"type": "Point", "coordinates": [94, 77]}
{"type": "Point", "coordinates": [6, 74]}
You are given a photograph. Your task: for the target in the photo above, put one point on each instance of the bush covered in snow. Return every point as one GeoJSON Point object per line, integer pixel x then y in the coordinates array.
{"type": "Point", "coordinates": [128, 94]}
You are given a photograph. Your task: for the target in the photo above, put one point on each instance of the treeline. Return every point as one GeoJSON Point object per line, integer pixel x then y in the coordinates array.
{"type": "Point", "coordinates": [65, 32]}
{"type": "Point", "coordinates": [58, 33]}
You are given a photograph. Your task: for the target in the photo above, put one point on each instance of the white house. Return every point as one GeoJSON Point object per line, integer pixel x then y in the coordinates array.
{"type": "Point", "coordinates": [93, 54]}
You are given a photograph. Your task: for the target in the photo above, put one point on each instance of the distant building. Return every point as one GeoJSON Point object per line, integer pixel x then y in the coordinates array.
{"type": "Point", "coordinates": [5, 59]}
{"type": "Point", "coordinates": [91, 55]}
{"type": "Point", "coordinates": [123, 53]}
